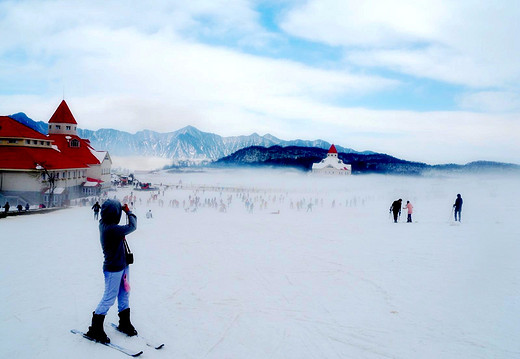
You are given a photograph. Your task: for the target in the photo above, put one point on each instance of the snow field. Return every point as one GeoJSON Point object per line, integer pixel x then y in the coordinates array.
{"type": "Point", "coordinates": [342, 282]}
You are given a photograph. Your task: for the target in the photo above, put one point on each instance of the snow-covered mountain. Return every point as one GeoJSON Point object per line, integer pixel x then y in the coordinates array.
{"type": "Point", "coordinates": [185, 146]}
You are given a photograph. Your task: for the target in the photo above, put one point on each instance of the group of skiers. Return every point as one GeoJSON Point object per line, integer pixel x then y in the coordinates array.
{"type": "Point", "coordinates": [116, 261]}
{"type": "Point", "coordinates": [396, 207]}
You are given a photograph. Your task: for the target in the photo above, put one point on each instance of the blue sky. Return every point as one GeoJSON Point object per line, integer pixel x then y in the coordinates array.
{"type": "Point", "coordinates": [432, 81]}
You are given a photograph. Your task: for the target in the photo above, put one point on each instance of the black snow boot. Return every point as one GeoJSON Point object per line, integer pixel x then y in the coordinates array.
{"type": "Point", "coordinates": [124, 323]}
{"type": "Point", "coordinates": [96, 331]}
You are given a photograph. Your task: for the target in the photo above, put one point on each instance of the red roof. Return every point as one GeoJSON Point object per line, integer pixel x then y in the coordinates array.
{"type": "Point", "coordinates": [12, 128]}
{"type": "Point", "coordinates": [90, 179]}
{"type": "Point", "coordinates": [81, 154]}
{"type": "Point", "coordinates": [332, 149]}
{"type": "Point", "coordinates": [63, 115]}
{"type": "Point", "coordinates": [27, 158]}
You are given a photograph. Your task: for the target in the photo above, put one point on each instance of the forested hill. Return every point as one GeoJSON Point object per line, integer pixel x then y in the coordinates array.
{"type": "Point", "coordinates": [304, 157]}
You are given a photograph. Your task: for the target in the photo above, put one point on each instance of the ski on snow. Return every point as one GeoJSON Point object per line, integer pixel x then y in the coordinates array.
{"type": "Point", "coordinates": [155, 345]}
{"type": "Point", "coordinates": [127, 351]}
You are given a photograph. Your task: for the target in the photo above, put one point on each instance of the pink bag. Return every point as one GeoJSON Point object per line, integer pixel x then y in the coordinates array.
{"type": "Point", "coordinates": [126, 284]}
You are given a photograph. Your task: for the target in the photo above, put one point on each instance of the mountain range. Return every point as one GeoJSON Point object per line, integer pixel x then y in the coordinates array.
{"type": "Point", "coordinates": [187, 146]}
{"type": "Point", "coordinates": [304, 157]}
{"type": "Point", "coordinates": [190, 147]}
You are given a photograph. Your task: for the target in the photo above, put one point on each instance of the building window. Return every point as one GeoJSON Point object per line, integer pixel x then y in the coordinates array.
{"type": "Point", "coordinates": [68, 127]}
{"type": "Point", "coordinates": [27, 142]}
{"type": "Point", "coordinates": [42, 143]}
{"type": "Point", "coordinates": [12, 141]}
{"type": "Point", "coordinates": [35, 142]}
{"type": "Point", "coordinates": [74, 143]}
{"type": "Point", "coordinates": [58, 127]}
{"type": "Point", "coordinates": [48, 143]}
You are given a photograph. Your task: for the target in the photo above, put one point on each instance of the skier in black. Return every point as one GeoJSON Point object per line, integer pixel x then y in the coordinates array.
{"type": "Point", "coordinates": [395, 208]}
{"type": "Point", "coordinates": [96, 207]}
{"type": "Point", "coordinates": [458, 207]}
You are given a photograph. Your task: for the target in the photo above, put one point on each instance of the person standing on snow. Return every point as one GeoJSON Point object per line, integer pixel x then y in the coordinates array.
{"type": "Point", "coordinates": [115, 270]}
{"type": "Point", "coordinates": [409, 207]}
{"type": "Point", "coordinates": [96, 207]}
{"type": "Point", "coordinates": [396, 208]}
{"type": "Point", "coordinates": [458, 207]}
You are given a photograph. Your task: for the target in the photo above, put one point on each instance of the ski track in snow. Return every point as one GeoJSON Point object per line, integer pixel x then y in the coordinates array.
{"type": "Point", "coordinates": [342, 281]}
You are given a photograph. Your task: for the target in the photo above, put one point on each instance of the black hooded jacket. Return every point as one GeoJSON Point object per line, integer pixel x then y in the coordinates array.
{"type": "Point", "coordinates": [396, 206]}
{"type": "Point", "coordinates": [112, 235]}
{"type": "Point", "coordinates": [458, 203]}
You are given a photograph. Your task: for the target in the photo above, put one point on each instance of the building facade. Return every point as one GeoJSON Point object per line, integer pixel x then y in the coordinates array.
{"type": "Point", "coordinates": [332, 165]}
{"type": "Point", "coordinates": [49, 169]}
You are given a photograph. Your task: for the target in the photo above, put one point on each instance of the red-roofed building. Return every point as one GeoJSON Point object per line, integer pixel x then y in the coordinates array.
{"type": "Point", "coordinates": [332, 165]}
{"type": "Point", "coordinates": [63, 115]}
{"type": "Point", "coordinates": [56, 168]}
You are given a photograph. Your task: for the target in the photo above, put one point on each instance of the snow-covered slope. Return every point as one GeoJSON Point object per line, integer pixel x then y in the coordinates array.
{"type": "Point", "coordinates": [340, 281]}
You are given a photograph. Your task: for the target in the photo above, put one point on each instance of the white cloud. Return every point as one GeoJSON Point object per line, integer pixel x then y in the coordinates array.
{"type": "Point", "coordinates": [437, 63]}
{"type": "Point", "coordinates": [160, 74]}
{"type": "Point", "coordinates": [491, 101]}
{"type": "Point", "coordinates": [134, 67]}
{"type": "Point", "coordinates": [376, 23]}
{"type": "Point", "coordinates": [463, 42]}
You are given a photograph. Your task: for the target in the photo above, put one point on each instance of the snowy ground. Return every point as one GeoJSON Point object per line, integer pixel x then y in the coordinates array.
{"type": "Point", "coordinates": [337, 282]}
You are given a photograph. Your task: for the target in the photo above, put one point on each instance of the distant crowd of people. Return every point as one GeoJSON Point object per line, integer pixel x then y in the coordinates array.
{"type": "Point", "coordinates": [256, 201]}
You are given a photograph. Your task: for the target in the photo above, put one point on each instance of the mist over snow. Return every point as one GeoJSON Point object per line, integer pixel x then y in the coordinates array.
{"type": "Point", "coordinates": [338, 281]}
{"type": "Point", "coordinates": [143, 163]}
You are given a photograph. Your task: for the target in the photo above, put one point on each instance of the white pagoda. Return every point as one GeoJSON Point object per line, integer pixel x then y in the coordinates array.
{"type": "Point", "coordinates": [332, 165]}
